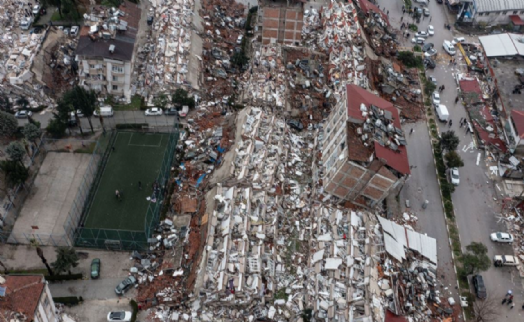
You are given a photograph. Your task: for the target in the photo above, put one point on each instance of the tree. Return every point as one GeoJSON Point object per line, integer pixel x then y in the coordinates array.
{"type": "Point", "coordinates": [5, 104]}
{"type": "Point", "coordinates": [16, 151]}
{"type": "Point", "coordinates": [429, 87]}
{"type": "Point", "coordinates": [40, 254]}
{"type": "Point", "coordinates": [409, 59]}
{"type": "Point", "coordinates": [31, 132]}
{"type": "Point", "coordinates": [14, 173]}
{"type": "Point", "coordinates": [56, 128]}
{"type": "Point", "coordinates": [8, 124]}
{"type": "Point", "coordinates": [181, 97]}
{"type": "Point", "coordinates": [240, 59]}
{"type": "Point", "coordinates": [78, 98]}
{"type": "Point", "coordinates": [449, 141]}
{"type": "Point", "coordinates": [66, 259]}
{"type": "Point", "coordinates": [453, 160]}
{"type": "Point", "coordinates": [161, 100]}
{"type": "Point", "coordinates": [56, 3]}
{"type": "Point", "coordinates": [476, 259]}
{"type": "Point", "coordinates": [486, 311]}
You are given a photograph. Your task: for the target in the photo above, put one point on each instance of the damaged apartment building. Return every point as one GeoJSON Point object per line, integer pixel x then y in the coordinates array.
{"type": "Point", "coordinates": [364, 153]}
{"type": "Point", "coordinates": [106, 49]}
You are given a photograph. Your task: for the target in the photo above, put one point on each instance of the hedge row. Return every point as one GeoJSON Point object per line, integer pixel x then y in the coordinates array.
{"type": "Point", "coordinates": [123, 126]}
{"type": "Point", "coordinates": [69, 300]}
{"type": "Point", "coordinates": [66, 277]}
{"type": "Point", "coordinates": [134, 306]}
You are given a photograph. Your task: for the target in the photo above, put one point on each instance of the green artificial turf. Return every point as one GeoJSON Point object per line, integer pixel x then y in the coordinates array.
{"type": "Point", "coordinates": [136, 157]}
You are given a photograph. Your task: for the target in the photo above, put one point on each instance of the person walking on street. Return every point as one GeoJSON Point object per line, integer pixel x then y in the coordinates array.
{"type": "Point", "coordinates": [505, 300]}
{"type": "Point", "coordinates": [401, 18]}
{"type": "Point", "coordinates": [456, 100]}
{"type": "Point", "coordinates": [140, 185]}
{"type": "Point", "coordinates": [450, 123]}
{"type": "Point", "coordinates": [412, 130]}
{"type": "Point", "coordinates": [512, 306]}
{"type": "Point", "coordinates": [443, 87]}
{"type": "Point", "coordinates": [117, 194]}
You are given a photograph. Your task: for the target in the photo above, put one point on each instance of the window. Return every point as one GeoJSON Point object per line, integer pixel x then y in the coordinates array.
{"type": "Point", "coordinates": [115, 79]}
{"type": "Point", "coordinates": [91, 66]}
{"type": "Point", "coordinates": [118, 69]}
{"type": "Point", "coordinates": [481, 14]}
{"type": "Point", "coordinates": [522, 12]}
{"type": "Point", "coordinates": [46, 302]}
{"type": "Point", "coordinates": [504, 12]}
{"type": "Point", "coordinates": [515, 12]}
{"type": "Point", "coordinates": [115, 87]}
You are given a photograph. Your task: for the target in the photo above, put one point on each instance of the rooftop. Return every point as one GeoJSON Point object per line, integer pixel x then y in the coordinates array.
{"type": "Point", "coordinates": [518, 120]}
{"type": "Point", "coordinates": [499, 5]}
{"type": "Point", "coordinates": [374, 124]}
{"type": "Point", "coordinates": [118, 28]}
{"type": "Point", "coordinates": [22, 293]}
{"type": "Point", "coordinates": [367, 6]}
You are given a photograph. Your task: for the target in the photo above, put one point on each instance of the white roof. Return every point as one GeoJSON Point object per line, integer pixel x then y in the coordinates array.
{"type": "Point", "coordinates": [498, 45]}
{"type": "Point", "coordinates": [499, 5]}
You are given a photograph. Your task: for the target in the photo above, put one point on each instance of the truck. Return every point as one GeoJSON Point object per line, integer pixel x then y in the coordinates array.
{"type": "Point", "coordinates": [442, 113]}
{"type": "Point", "coordinates": [183, 111]}
{"type": "Point", "coordinates": [505, 260]}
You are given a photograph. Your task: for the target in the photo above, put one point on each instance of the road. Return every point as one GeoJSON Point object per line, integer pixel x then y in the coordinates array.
{"type": "Point", "coordinates": [474, 199]}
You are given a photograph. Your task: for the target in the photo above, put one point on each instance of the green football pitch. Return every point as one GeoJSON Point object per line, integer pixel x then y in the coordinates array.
{"type": "Point", "coordinates": [135, 157]}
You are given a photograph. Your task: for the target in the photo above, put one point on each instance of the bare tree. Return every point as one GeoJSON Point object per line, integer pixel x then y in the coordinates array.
{"type": "Point", "coordinates": [486, 310]}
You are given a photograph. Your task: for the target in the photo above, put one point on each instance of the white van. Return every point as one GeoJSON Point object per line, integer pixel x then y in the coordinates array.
{"type": "Point", "coordinates": [448, 47]}
{"type": "Point", "coordinates": [442, 113]}
{"type": "Point", "coordinates": [104, 111]}
{"type": "Point", "coordinates": [423, 2]}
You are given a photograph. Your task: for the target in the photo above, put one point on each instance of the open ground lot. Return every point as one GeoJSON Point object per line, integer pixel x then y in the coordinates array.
{"type": "Point", "coordinates": [47, 207]}
{"type": "Point", "coordinates": [136, 157]}
{"type": "Point", "coordinates": [506, 81]}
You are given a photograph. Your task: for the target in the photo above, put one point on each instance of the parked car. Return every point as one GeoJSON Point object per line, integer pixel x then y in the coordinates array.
{"type": "Point", "coordinates": [440, 1]}
{"type": "Point", "coordinates": [95, 268]}
{"type": "Point", "coordinates": [418, 40]}
{"type": "Point", "coordinates": [104, 111]}
{"type": "Point", "coordinates": [422, 1]}
{"type": "Point", "coordinates": [455, 177]}
{"type": "Point", "coordinates": [183, 111]}
{"type": "Point", "coordinates": [74, 31]}
{"type": "Point", "coordinates": [171, 111]}
{"type": "Point", "coordinates": [297, 125]}
{"type": "Point", "coordinates": [429, 63]}
{"type": "Point", "coordinates": [505, 260]}
{"type": "Point", "coordinates": [432, 79]}
{"type": "Point", "coordinates": [501, 237]}
{"type": "Point", "coordinates": [449, 47]}
{"type": "Point", "coordinates": [431, 30]}
{"type": "Point", "coordinates": [150, 20]}
{"type": "Point", "coordinates": [78, 112]}
{"type": "Point", "coordinates": [119, 316]}
{"type": "Point", "coordinates": [435, 98]}
{"type": "Point", "coordinates": [426, 12]}
{"type": "Point", "coordinates": [457, 40]}
{"type": "Point", "coordinates": [22, 114]}
{"type": "Point", "coordinates": [422, 34]}
{"type": "Point", "coordinates": [479, 286]}
{"type": "Point", "coordinates": [25, 24]}
{"type": "Point", "coordinates": [67, 31]}
{"type": "Point", "coordinates": [430, 53]}
{"type": "Point", "coordinates": [36, 9]}
{"type": "Point", "coordinates": [125, 285]}
{"type": "Point", "coordinates": [427, 46]}
{"type": "Point", "coordinates": [154, 111]}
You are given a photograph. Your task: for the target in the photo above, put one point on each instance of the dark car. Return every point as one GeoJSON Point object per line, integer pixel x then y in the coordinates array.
{"type": "Point", "coordinates": [429, 63]}
{"type": "Point", "coordinates": [149, 20]}
{"type": "Point", "coordinates": [95, 268]}
{"type": "Point", "coordinates": [440, 1]}
{"type": "Point", "coordinates": [295, 124]}
{"type": "Point", "coordinates": [171, 111]}
{"type": "Point", "coordinates": [427, 46]}
{"type": "Point", "coordinates": [125, 285]}
{"type": "Point", "coordinates": [480, 288]}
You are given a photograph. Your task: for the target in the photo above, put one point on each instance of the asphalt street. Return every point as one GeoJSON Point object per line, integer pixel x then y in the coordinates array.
{"type": "Point", "coordinates": [475, 203]}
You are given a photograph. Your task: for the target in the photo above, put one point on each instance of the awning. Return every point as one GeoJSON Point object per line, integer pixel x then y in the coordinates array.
{"type": "Point", "coordinates": [516, 20]}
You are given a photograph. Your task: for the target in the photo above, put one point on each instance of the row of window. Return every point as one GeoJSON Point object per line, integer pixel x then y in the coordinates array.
{"type": "Point", "coordinates": [516, 12]}
{"type": "Point", "coordinates": [117, 69]}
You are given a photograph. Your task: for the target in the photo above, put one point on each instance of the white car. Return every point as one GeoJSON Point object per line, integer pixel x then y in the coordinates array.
{"type": "Point", "coordinates": [78, 112]}
{"type": "Point", "coordinates": [36, 9]}
{"type": "Point", "coordinates": [457, 40]}
{"type": "Point", "coordinates": [436, 98]}
{"type": "Point", "coordinates": [501, 237]}
{"type": "Point", "coordinates": [431, 30]}
{"type": "Point", "coordinates": [422, 34]}
{"type": "Point", "coordinates": [455, 179]}
{"type": "Point", "coordinates": [74, 31]}
{"type": "Point", "coordinates": [22, 114]}
{"type": "Point", "coordinates": [426, 12]}
{"type": "Point", "coordinates": [505, 260]}
{"type": "Point", "coordinates": [449, 47]}
{"type": "Point", "coordinates": [430, 53]}
{"type": "Point", "coordinates": [432, 79]}
{"type": "Point", "coordinates": [119, 316]}
{"type": "Point", "coordinates": [418, 40]}
{"type": "Point", "coordinates": [154, 111]}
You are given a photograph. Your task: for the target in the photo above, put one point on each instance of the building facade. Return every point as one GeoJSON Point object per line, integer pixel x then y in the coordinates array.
{"type": "Point", "coordinates": [491, 12]}
{"type": "Point", "coordinates": [28, 295]}
{"type": "Point", "coordinates": [106, 50]}
{"type": "Point", "coordinates": [364, 155]}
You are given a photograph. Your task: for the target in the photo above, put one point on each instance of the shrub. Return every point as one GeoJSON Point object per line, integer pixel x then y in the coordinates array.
{"type": "Point", "coordinates": [69, 300]}
{"type": "Point", "coordinates": [417, 48]}
{"type": "Point", "coordinates": [65, 277]}
{"type": "Point", "coordinates": [413, 27]}
{"type": "Point", "coordinates": [409, 59]}
{"type": "Point", "coordinates": [134, 306]}
{"type": "Point", "coordinates": [123, 126]}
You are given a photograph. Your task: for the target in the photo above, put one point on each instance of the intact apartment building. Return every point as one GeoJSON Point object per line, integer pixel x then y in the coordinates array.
{"type": "Point", "coordinates": [106, 49]}
{"type": "Point", "coordinates": [491, 12]}
{"type": "Point", "coordinates": [364, 153]}
{"type": "Point", "coordinates": [28, 295]}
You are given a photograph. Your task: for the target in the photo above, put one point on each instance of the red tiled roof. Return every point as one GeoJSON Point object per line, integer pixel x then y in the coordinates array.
{"type": "Point", "coordinates": [518, 120]}
{"type": "Point", "coordinates": [22, 294]}
{"type": "Point", "coordinates": [356, 95]}
{"type": "Point", "coordinates": [398, 160]}
{"type": "Point", "coordinates": [516, 20]}
{"type": "Point", "coordinates": [391, 317]}
{"type": "Point", "coordinates": [470, 86]}
{"type": "Point", "coordinates": [489, 139]}
{"type": "Point", "coordinates": [367, 6]}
